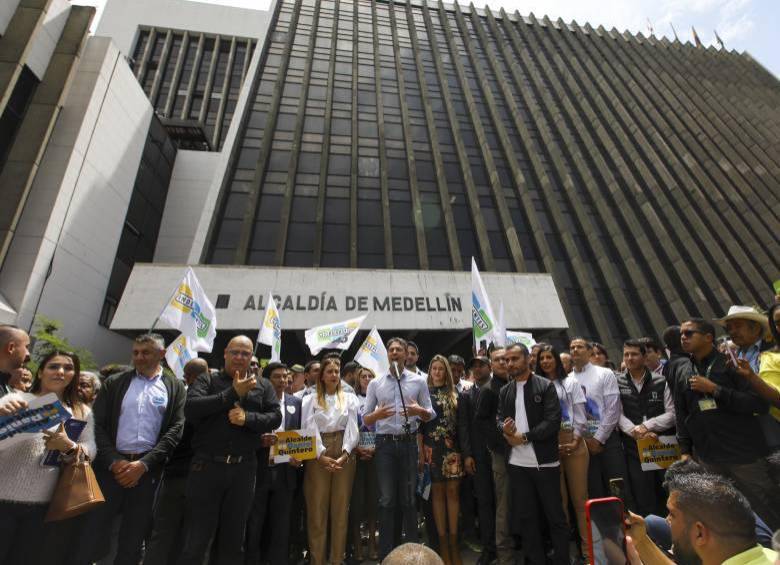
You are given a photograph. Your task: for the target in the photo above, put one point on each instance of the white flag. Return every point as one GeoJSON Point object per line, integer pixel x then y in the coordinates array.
{"type": "Point", "coordinates": [483, 322]}
{"type": "Point", "coordinates": [178, 354]}
{"type": "Point", "coordinates": [333, 336]}
{"type": "Point", "coordinates": [500, 334]}
{"type": "Point", "coordinates": [520, 337]}
{"type": "Point", "coordinates": [271, 330]}
{"type": "Point", "coordinates": [190, 312]}
{"type": "Point", "coordinates": [373, 354]}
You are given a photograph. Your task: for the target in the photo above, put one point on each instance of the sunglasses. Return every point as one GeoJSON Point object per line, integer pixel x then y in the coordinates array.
{"type": "Point", "coordinates": [690, 333]}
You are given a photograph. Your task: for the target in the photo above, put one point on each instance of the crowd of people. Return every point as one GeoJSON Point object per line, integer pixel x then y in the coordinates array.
{"type": "Point", "coordinates": [500, 454]}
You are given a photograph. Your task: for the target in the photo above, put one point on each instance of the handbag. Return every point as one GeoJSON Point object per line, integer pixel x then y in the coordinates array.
{"type": "Point", "coordinates": [77, 490]}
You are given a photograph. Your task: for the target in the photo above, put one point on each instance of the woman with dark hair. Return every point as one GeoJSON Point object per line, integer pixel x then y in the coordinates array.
{"type": "Point", "coordinates": [365, 490]}
{"type": "Point", "coordinates": [767, 382]}
{"type": "Point", "coordinates": [600, 357]}
{"type": "Point", "coordinates": [327, 484]}
{"type": "Point", "coordinates": [441, 442]}
{"type": "Point", "coordinates": [571, 448]}
{"type": "Point", "coordinates": [27, 485]}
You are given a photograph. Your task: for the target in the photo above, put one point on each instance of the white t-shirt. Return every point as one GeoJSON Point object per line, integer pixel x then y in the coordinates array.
{"type": "Point", "coordinates": [602, 400]}
{"type": "Point", "coordinates": [524, 455]}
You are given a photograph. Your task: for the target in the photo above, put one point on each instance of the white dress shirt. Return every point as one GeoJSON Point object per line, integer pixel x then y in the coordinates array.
{"type": "Point", "coordinates": [660, 423]}
{"type": "Point", "coordinates": [602, 397]}
{"type": "Point", "coordinates": [332, 418]}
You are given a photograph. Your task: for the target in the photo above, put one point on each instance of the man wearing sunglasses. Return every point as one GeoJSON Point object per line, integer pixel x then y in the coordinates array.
{"type": "Point", "coordinates": [717, 421]}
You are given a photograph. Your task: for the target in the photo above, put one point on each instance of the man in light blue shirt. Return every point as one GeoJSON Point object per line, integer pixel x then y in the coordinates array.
{"type": "Point", "coordinates": [396, 442]}
{"type": "Point", "coordinates": [139, 419]}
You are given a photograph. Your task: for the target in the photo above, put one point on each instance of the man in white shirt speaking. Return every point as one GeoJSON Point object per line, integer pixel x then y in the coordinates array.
{"type": "Point", "coordinates": [529, 417]}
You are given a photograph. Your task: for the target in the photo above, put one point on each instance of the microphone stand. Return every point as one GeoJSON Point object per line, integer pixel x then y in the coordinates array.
{"type": "Point", "coordinates": [407, 426]}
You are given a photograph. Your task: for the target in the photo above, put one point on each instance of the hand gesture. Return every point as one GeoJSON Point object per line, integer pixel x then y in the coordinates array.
{"type": "Point", "coordinates": [744, 369]}
{"type": "Point", "coordinates": [11, 406]}
{"type": "Point", "coordinates": [639, 431]}
{"type": "Point", "coordinates": [237, 415]}
{"type": "Point", "coordinates": [243, 385]}
{"type": "Point", "coordinates": [509, 427]}
{"type": "Point", "coordinates": [266, 440]}
{"type": "Point", "coordinates": [329, 463]}
{"type": "Point", "coordinates": [383, 412]}
{"type": "Point", "coordinates": [701, 384]}
{"type": "Point", "coordinates": [58, 440]}
{"type": "Point", "coordinates": [130, 474]}
{"type": "Point", "coordinates": [293, 462]}
{"type": "Point", "coordinates": [635, 527]}
{"type": "Point", "coordinates": [414, 409]}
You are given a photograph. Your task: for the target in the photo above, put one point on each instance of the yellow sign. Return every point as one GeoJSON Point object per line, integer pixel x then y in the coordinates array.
{"type": "Point", "coordinates": [300, 444]}
{"type": "Point", "coordinates": [655, 454]}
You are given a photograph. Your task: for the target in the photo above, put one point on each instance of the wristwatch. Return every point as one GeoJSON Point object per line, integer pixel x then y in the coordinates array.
{"type": "Point", "coordinates": [525, 438]}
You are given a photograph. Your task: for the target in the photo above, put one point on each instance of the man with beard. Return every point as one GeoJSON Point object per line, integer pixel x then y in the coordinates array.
{"type": "Point", "coordinates": [711, 524]}
{"type": "Point", "coordinates": [13, 354]}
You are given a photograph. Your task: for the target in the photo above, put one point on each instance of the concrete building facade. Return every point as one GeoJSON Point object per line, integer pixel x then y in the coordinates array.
{"type": "Point", "coordinates": [622, 181]}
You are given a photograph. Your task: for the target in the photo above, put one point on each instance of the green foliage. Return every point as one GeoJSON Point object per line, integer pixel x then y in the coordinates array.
{"type": "Point", "coordinates": [47, 339]}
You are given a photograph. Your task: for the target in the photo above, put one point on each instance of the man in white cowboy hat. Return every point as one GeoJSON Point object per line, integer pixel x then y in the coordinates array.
{"type": "Point", "coordinates": [746, 326]}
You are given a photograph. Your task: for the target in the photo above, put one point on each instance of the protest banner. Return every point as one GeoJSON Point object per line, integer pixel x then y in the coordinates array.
{"type": "Point", "coordinates": [41, 414]}
{"type": "Point", "coordinates": [657, 454]}
{"type": "Point", "coordinates": [300, 444]}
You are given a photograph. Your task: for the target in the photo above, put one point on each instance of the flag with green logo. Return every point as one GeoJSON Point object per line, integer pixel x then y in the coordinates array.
{"type": "Point", "coordinates": [483, 322]}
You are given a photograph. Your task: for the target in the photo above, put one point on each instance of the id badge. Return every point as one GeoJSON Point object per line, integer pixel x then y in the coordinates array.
{"type": "Point", "coordinates": [707, 404]}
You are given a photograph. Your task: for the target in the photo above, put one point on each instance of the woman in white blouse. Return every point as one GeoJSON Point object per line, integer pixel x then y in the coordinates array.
{"type": "Point", "coordinates": [332, 416]}
{"type": "Point", "coordinates": [571, 447]}
{"type": "Point", "coordinates": [28, 485]}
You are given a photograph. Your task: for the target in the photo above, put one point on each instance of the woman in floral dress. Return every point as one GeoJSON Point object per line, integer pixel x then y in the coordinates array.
{"type": "Point", "coordinates": [444, 446]}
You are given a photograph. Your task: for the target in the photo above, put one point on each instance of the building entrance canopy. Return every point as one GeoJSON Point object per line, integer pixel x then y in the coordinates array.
{"type": "Point", "coordinates": [392, 299]}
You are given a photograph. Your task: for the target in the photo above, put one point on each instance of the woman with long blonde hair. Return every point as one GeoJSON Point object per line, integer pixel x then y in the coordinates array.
{"type": "Point", "coordinates": [332, 415]}
{"type": "Point", "coordinates": [443, 441]}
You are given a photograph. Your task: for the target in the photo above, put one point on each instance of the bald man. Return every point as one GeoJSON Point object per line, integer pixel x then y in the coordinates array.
{"type": "Point", "coordinates": [229, 412]}
{"type": "Point", "coordinates": [13, 354]}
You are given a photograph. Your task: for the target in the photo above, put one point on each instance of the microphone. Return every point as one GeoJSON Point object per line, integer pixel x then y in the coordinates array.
{"type": "Point", "coordinates": [397, 371]}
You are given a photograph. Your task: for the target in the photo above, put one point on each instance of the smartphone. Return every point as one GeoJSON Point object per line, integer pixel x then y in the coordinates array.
{"type": "Point", "coordinates": [606, 531]}
{"type": "Point", "coordinates": [730, 352]}
{"type": "Point", "coordinates": [617, 488]}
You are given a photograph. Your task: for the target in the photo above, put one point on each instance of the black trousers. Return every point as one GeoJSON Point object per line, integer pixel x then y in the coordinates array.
{"type": "Point", "coordinates": [168, 530]}
{"type": "Point", "coordinates": [646, 486]}
{"type": "Point", "coordinates": [609, 464]}
{"type": "Point", "coordinates": [21, 526]}
{"type": "Point", "coordinates": [219, 498]}
{"type": "Point", "coordinates": [530, 488]}
{"type": "Point", "coordinates": [486, 504]}
{"type": "Point", "coordinates": [468, 513]}
{"type": "Point", "coordinates": [134, 505]}
{"type": "Point", "coordinates": [268, 527]}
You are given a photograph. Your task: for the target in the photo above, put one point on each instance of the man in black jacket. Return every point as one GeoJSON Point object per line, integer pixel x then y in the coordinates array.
{"type": "Point", "coordinates": [168, 532]}
{"type": "Point", "coordinates": [230, 411]}
{"type": "Point", "coordinates": [139, 418]}
{"type": "Point", "coordinates": [717, 421]}
{"type": "Point", "coordinates": [487, 408]}
{"type": "Point", "coordinates": [276, 482]}
{"type": "Point", "coordinates": [478, 465]}
{"type": "Point", "coordinates": [529, 417]}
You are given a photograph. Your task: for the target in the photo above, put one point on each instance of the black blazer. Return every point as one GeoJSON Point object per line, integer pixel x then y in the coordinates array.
{"type": "Point", "coordinates": [108, 406]}
{"type": "Point", "coordinates": [543, 412]}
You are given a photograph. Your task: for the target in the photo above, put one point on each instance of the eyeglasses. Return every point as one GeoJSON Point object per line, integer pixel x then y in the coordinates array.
{"type": "Point", "coordinates": [690, 333]}
{"type": "Point", "coordinates": [239, 353]}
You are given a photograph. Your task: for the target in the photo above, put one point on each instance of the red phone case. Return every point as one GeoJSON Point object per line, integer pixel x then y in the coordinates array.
{"type": "Point", "coordinates": [593, 502]}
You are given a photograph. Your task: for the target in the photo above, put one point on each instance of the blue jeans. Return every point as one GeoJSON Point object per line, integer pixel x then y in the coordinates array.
{"type": "Point", "coordinates": [396, 468]}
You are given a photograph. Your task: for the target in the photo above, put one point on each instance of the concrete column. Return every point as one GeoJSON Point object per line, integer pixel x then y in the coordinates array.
{"type": "Point", "coordinates": [32, 138]}
{"type": "Point", "coordinates": [177, 70]}
{"type": "Point", "coordinates": [16, 44]}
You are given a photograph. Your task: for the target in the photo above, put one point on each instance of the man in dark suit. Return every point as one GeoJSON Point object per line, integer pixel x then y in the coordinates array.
{"type": "Point", "coordinates": [230, 411]}
{"type": "Point", "coordinates": [479, 467]}
{"type": "Point", "coordinates": [276, 482]}
{"type": "Point", "coordinates": [529, 417]}
{"type": "Point", "coordinates": [139, 418]}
